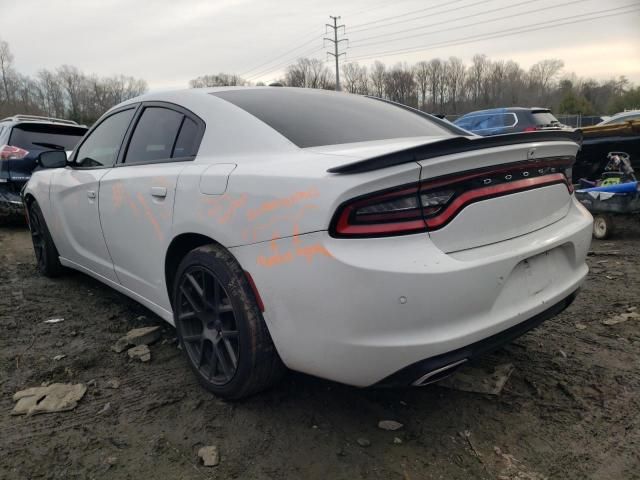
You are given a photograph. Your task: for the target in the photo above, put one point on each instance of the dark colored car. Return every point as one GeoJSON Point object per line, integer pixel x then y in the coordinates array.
{"type": "Point", "coordinates": [22, 139]}
{"type": "Point", "coordinates": [498, 121]}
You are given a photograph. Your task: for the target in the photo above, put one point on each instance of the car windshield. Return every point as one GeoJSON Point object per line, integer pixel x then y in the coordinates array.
{"type": "Point", "coordinates": [311, 118]}
{"type": "Point", "coordinates": [45, 136]}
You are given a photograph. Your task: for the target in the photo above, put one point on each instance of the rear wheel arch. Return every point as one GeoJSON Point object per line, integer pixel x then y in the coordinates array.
{"type": "Point", "coordinates": [179, 247]}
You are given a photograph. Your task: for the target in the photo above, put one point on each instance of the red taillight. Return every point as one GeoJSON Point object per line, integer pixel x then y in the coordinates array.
{"type": "Point", "coordinates": [530, 129]}
{"type": "Point", "coordinates": [7, 152]}
{"type": "Point", "coordinates": [432, 204]}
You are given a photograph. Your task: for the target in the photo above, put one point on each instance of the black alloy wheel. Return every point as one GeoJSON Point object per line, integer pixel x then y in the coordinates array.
{"type": "Point", "coordinates": [208, 324]}
{"type": "Point", "coordinates": [46, 253]}
{"type": "Point", "coordinates": [220, 325]}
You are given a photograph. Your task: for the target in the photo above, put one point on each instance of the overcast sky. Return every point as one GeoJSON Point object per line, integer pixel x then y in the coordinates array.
{"type": "Point", "coordinates": [168, 42]}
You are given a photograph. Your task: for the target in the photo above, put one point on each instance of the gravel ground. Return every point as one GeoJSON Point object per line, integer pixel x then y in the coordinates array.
{"type": "Point", "coordinates": [570, 410]}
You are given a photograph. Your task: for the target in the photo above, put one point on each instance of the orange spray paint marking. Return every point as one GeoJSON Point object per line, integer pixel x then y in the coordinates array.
{"type": "Point", "coordinates": [234, 205]}
{"type": "Point", "coordinates": [275, 259]}
{"type": "Point", "coordinates": [270, 206]}
{"type": "Point", "coordinates": [117, 190]}
{"type": "Point", "coordinates": [151, 217]}
{"type": "Point", "coordinates": [252, 232]}
{"type": "Point", "coordinates": [311, 251]}
{"type": "Point", "coordinates": [296, 233]}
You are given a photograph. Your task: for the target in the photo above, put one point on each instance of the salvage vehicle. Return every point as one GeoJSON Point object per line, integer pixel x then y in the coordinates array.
{"type": "Point", "coordinates": [342, 236]}
{"type": "Point", "coordinates": [498, 121]}
{"type": "Point", "coordinates": [615, 194]}
{"type": "Point", "coordinates": [22, 139]}
{"type": "Point", "coordinates": [599, 140]}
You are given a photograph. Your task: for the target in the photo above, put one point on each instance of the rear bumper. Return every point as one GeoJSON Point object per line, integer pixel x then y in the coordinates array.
{"type": "Point", "coordinates": [435, 368]}
{"type": "Point", "coordinates": [11, 206]}
{"type": "Point", "coordinates": [359, 310]}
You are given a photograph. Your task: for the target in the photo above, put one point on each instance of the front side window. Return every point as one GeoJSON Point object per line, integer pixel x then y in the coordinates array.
{"type": "Point", "coordinates": [101, 147]}
{"type": "Point", "coordinates": [155, 135]}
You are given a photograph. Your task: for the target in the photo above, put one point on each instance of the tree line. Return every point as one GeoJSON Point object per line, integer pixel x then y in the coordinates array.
{"type": "Point", "coordinates": [451, 87]}
{"type": "Point", "coordinates": [65, 92]}
{"type": "Point", "coordinates": [440, 86]}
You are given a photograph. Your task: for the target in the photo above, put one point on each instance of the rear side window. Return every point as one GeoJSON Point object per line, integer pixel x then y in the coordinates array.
{"type": "Point", "coordinates": [101, 147]}
{"type": "Point", "coordinates": [187, 142]}
{"type": "Point", "coordinates": [311, 118]}
{"type": "Point", "coordinates": [155, 135]}
{"type": "Point", "coordinates": [544, 119]}
{"type": "Point", "coordinates": [35, 136]}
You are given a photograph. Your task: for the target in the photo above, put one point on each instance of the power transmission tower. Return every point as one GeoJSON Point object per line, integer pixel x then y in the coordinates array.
{"type": "Point", "coordinates": [336, 44]}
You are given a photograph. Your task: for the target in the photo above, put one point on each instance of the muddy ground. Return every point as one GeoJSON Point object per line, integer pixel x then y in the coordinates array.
{"type": "Point", "coordinates": [570, 410]}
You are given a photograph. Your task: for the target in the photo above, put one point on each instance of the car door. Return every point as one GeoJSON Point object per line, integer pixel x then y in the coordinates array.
{"type": "Point", "coordinates": [75, 192]}
{"type": "Point", "coordinates": [137, 196]}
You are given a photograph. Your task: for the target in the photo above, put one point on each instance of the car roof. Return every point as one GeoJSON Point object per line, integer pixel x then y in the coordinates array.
{"type": "Point", "coordinates": [507, 110]}
{"type": "Point", "coordinates": [622, 114]}
{"type": "Point", "coordinates": [20, 119]}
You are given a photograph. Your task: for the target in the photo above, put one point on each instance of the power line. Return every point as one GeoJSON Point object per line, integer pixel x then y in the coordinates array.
{"type": "Point", "coordinates": [357, 26]}
{"type": "Point", "coordinates": [315, 38]}
{"type": "Point", "coordinates": [499, 34]}
{"type": "Point", "coordinates": [284, 64]}
{"type": "Point", "coordinates": [336, 44]}
{"type": "Point", "coordinates": [377, 6]}
{"type": "Point", "coordinates": [473, 24]}
{"type": "Point", "coordinates": [309, 41]}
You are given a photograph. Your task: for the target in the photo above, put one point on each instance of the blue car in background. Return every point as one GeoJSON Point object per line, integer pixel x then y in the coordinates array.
{"type": "Point", "coordinates": [498, 121]}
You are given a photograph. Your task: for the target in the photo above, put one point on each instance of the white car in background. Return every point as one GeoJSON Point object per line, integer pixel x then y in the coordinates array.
{"type": "Point", "coordinates": [342, 236]}
{"type": "Point", "coordinates": [621, 117]}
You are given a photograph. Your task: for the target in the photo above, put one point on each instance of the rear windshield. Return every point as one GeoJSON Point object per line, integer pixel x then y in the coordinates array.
{"type": "Point", "coordinates": [544, 119]}
{"type": "Point", "coordinates": [311, 118]}
{"type": "Point", "coordinates": [32, 136]}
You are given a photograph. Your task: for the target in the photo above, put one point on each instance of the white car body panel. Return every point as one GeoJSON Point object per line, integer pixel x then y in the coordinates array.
{"type": "Point", "coordinates": [76, 220]}
{"type": "Point", "coordinates": [354, 310]}
{"type": "Point", "coordinates": [136, 211]}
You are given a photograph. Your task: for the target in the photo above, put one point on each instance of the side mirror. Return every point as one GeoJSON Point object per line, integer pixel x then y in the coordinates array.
{"type": "Point", "coordinates": [53, 159]}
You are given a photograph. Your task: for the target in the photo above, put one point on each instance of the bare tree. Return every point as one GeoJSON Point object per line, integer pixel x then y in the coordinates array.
{"type": "Point", "coordinates": [455, 75]}
{"type": "Point", "coordinates": [434, 75]}
{"type": "Point", "coordinates": [400, 85]}
{"type": "Point", "coordinates": [543, 74]}
{"type": "Point", "coordinates": [309, 73]}
{"type": "Point", "coordinates": [6, 69]}
{"type": "Point", "coordinates": [219, 80]}
{"type": "Point", "coordinates": [377, 77]}
{"type": "Point", "coordinates": [477, 72]}
{"type": "Point", "coordinates": [421, 71]}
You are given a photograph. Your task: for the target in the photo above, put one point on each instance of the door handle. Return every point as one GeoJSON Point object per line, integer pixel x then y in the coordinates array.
{"type": "Point", "coordinates": [159, 192]}
{"type": "Point", "coordinates": [91, 194]}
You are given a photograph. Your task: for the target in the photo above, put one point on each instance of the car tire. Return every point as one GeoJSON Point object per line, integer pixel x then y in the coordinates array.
{"type": "Point", "coordinates": [220, 326]}
{"type": "Point", "coordinates": [47, 257]}
{"type": "Point", "coordinates": [602, 227]}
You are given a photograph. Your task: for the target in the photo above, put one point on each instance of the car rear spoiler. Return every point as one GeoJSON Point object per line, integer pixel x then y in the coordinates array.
{"type": "Point", "coordinates": [453, 145]}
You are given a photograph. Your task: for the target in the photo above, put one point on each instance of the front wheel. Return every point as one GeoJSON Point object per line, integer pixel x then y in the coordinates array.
{"type": "Point", "coordinates": [220, 327]}
{"type": "Point", "coordinates": [602, 227]}
{"type": "Point", "coordinates": [47, 257]}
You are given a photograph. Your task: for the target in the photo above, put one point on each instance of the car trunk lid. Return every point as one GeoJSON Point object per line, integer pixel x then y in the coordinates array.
{"type": "Point", "coordinates": [500, 193]}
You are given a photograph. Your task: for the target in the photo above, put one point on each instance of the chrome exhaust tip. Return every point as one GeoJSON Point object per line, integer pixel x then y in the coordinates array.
{"type": "Point", "coordinates": [438, 374]}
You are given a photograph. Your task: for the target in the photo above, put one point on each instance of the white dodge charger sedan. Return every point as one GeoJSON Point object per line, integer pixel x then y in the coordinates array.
{"type": "Point", "coordinates": [338, 235]}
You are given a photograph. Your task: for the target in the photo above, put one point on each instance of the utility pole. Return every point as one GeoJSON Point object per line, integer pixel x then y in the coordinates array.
{"type": "Point", "coordinates": [336, 44]}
